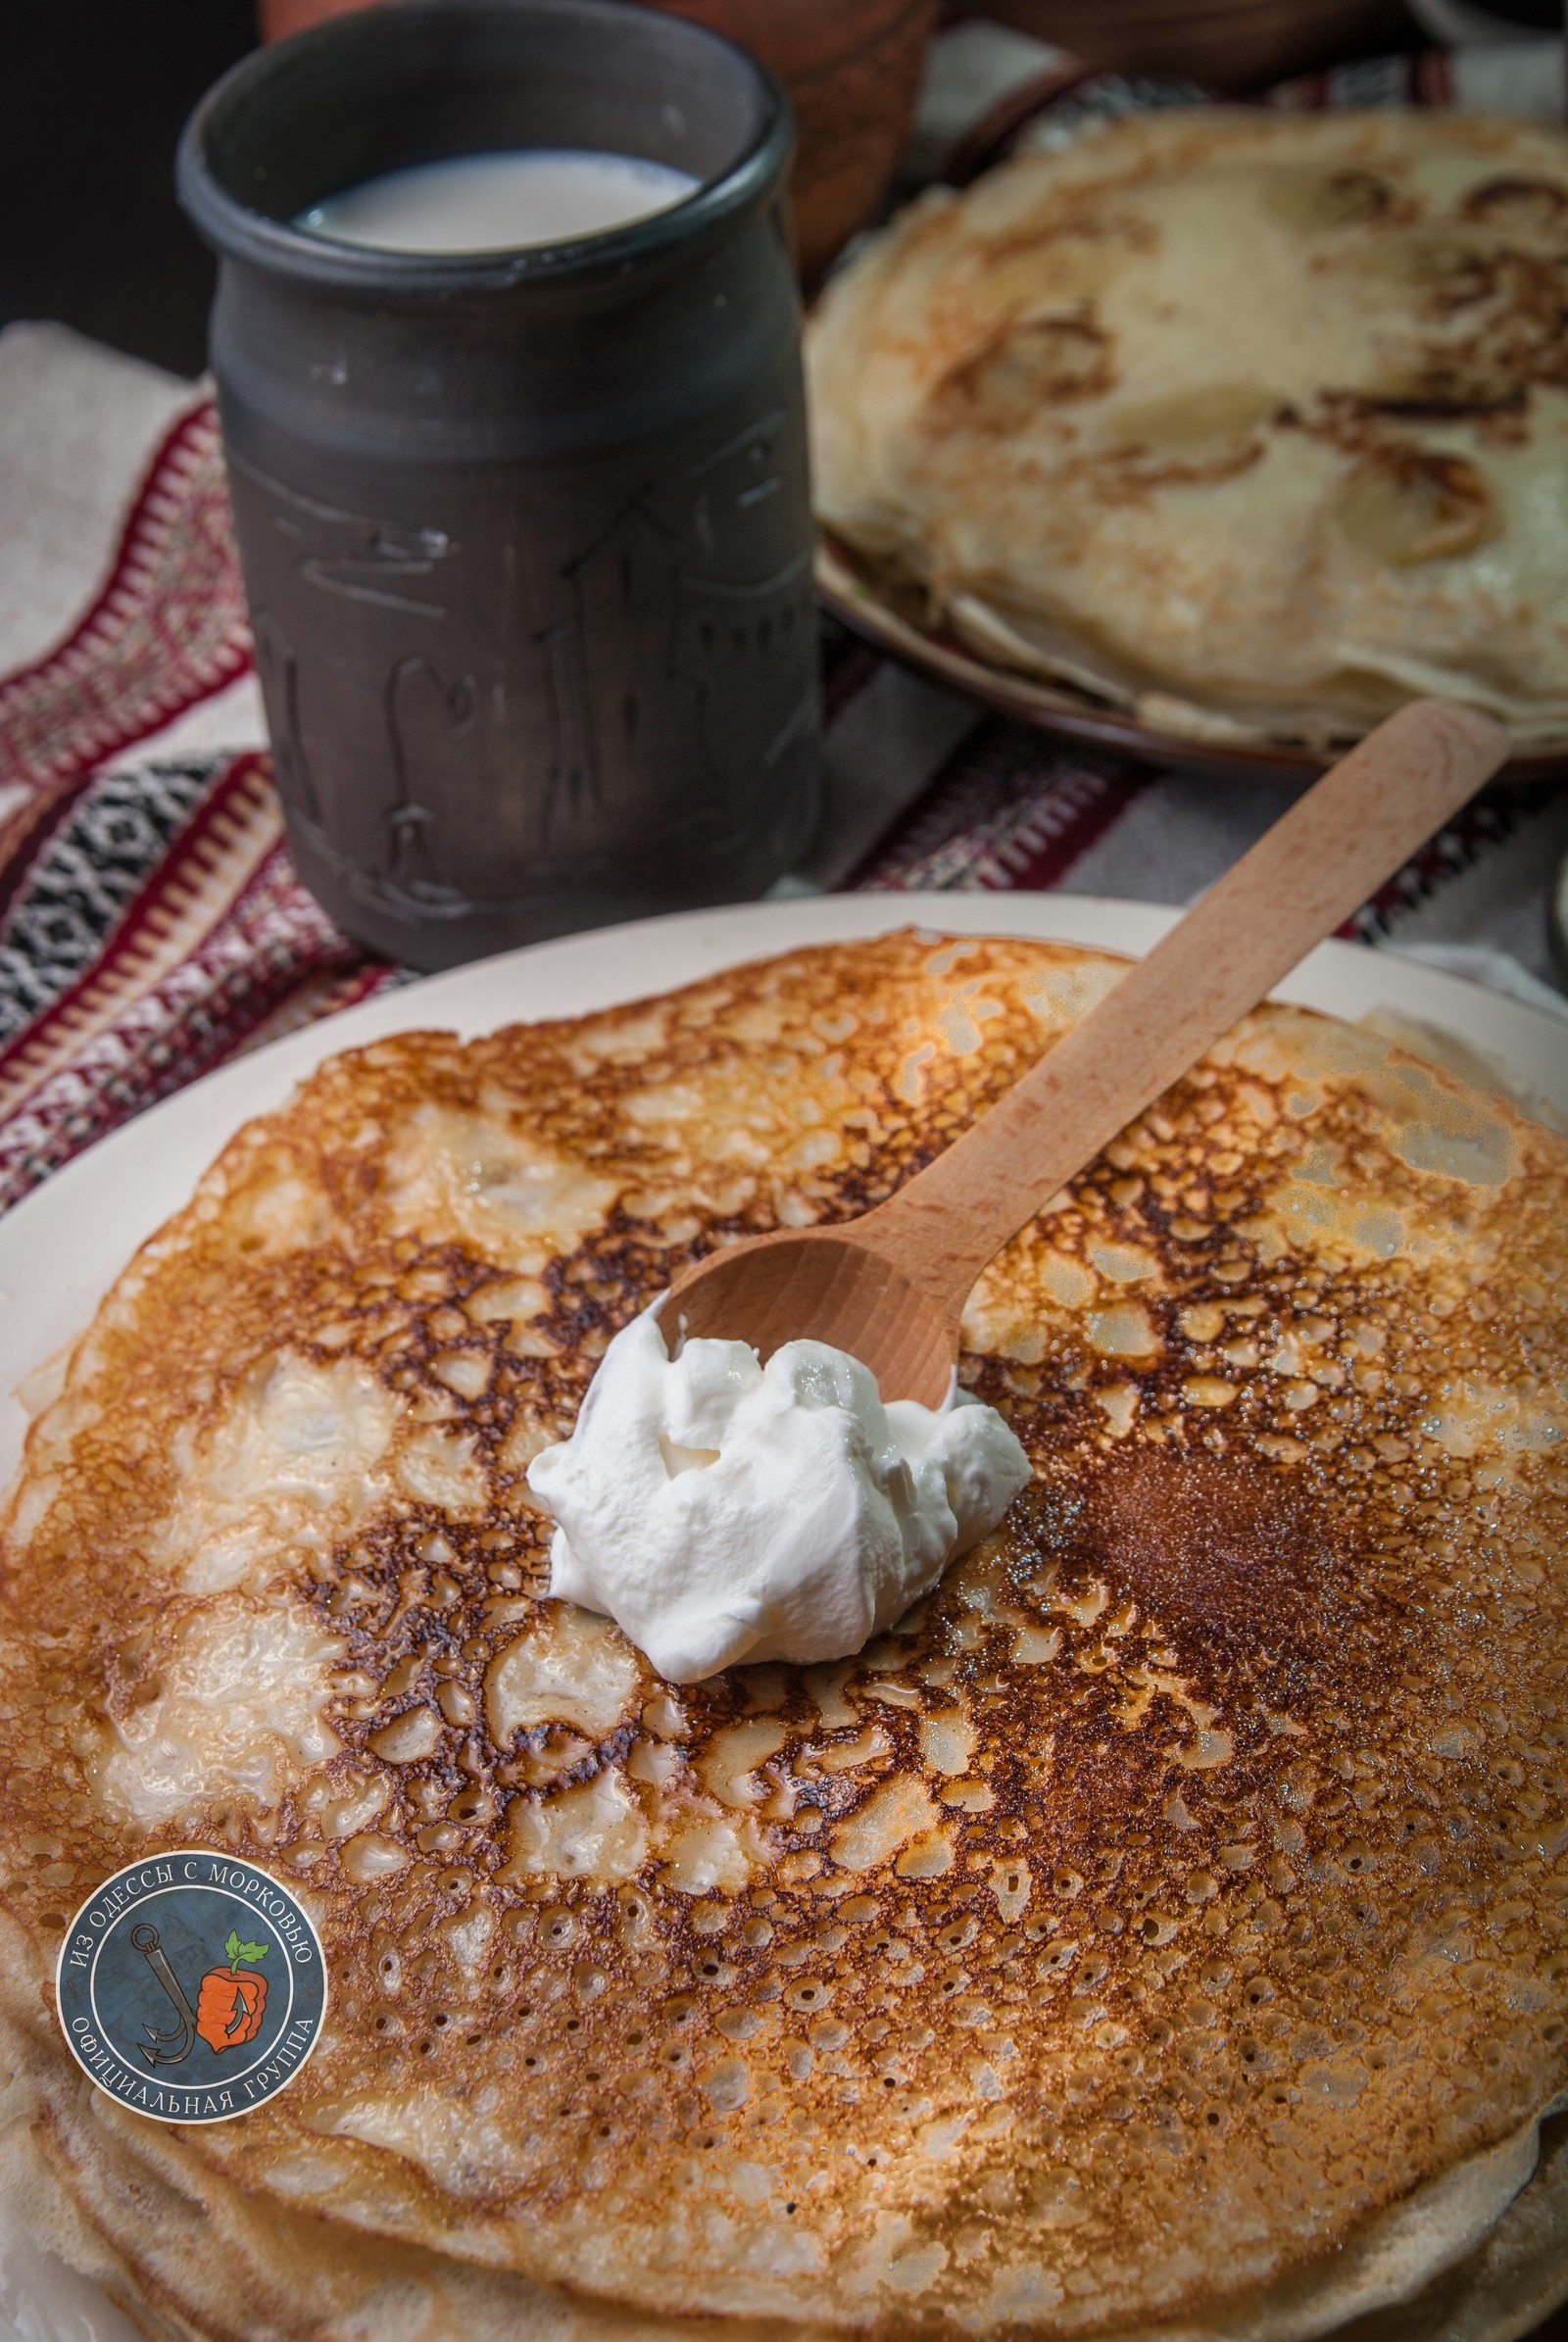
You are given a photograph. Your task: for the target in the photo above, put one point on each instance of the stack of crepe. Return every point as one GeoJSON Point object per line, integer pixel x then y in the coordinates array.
{"type": "Point", "coordinates": [1252, 426]}
{"type": "Point", "coordinates": [1162, 1930]}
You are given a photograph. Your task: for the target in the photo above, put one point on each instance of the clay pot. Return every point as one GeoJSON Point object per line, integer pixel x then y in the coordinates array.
{"type": "Point", "coordinates": [1229, 44]}
{"type": "Point", "coordinates": [526, 535]}
{"type": "Point", "coordinates": [852, 72]}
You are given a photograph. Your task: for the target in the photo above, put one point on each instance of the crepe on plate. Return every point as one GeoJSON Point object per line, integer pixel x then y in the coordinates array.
{"type": "Point", "coordinates": [1161, 1930]}
{"type": "Point", "coordinates": [1254, 425]}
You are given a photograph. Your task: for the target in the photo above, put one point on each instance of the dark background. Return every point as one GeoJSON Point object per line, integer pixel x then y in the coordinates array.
{"type": "Point", "coordinates": [93, 94]}
{"type": "Point", "coordinates": [92, 99]}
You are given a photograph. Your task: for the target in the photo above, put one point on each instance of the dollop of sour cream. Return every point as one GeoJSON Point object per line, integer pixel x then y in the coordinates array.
{"type": "Point", "coordinates": [721, 1511]}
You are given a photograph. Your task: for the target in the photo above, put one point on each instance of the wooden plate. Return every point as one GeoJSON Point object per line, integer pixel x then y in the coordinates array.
{"type": "Point", "coordinates": [857, 598]}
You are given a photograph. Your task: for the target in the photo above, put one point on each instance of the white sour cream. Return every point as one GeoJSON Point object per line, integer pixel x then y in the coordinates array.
{"type": "Point", "coordinates": [720, 1510]}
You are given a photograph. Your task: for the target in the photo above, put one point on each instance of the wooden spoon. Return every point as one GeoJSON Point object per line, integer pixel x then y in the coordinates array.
{"type": "Point", "coordinates": [890, 1287]}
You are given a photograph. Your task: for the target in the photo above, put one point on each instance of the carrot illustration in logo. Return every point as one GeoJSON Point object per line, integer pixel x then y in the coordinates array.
{"type": "Point", "coordinates": [228, 2010]}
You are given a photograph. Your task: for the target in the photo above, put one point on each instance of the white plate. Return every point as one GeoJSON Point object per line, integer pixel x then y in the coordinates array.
{"type": "Point", "coordinates": [62, 1248]}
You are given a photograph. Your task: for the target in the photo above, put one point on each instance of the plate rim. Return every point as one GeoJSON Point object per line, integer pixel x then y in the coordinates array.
{"type": "Point", "coordinates": [851, 597]}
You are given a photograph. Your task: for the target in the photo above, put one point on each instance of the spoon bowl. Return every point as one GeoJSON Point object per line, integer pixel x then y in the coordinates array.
{"type": "Point", "coordinates": [890, 1287]}
{"type": "Point", "coordinates": [823, 1285]}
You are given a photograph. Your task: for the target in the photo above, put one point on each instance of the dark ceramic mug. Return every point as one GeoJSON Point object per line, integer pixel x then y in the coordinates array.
{"type": "Point", "coordinates": [526, 535]}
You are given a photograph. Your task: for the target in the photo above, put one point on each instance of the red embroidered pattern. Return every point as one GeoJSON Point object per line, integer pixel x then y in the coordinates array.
{"type": "Point", "coordinates": [1006, 813]}
{"type": "Point", "coordinates": [166, 631]}
{"type": "Point", "coordinates": [219, 943]}
{"type": "Point", "coordinates": [223, 938]}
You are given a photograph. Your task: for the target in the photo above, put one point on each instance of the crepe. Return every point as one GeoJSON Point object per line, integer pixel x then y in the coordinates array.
{"type": "Point", "coordinates": [1253, 425]}
{"type": "Point", "coordinates": [1162, 1930]}
{"type": "Point", "coordinates": [187, 2253]}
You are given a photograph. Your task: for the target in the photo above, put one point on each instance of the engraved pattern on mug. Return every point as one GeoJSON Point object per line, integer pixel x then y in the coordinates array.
{"type": "Point", "coordinates": [629, 575]}
{"type": "Point", "coordinates": [750, 644]}
{"type": "Point", "coordinates": [566, 777]}
{"type": "Point", "coordinates": [279, 670]}
{"type": "Point", "coordinates": [367, 577]}
{"type": "Point", "coordinates": [353, 555]}
{"type": "Point", "coordinates": [426, 716]}
{"type": "Point", "coordinates": [732, 645]}
{"type": "Point", "coordinates": [753, 449]}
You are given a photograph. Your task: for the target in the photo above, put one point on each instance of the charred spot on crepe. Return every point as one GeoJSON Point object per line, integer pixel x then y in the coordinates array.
{"type": "Point", "coordinates": [1522, 205]}
{"type": "Point", "coordinates": [1022, 367]}
{"type": "Point", "coordinates": [1187, 1857]}
{"type": "Point", "coordinates": [1214, 1542]}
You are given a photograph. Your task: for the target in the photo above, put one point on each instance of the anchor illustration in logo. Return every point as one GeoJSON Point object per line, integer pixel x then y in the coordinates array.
{"type": "Point", "coordinates": [228, 2002]}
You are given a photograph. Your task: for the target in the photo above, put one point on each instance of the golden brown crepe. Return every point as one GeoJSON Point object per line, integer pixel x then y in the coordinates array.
{"type": "Point", "coordinates": [1163, 1929]}
{"type": "Point", "coordinates": [194, 2259]}
{"type": "Point", "coordinates": [1254, 425]}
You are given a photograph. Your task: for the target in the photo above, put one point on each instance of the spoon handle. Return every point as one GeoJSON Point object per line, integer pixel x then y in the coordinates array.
{"type": "Point", "coordinates": [1320, 862]}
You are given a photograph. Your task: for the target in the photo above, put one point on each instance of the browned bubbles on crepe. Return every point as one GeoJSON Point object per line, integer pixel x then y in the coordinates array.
{"type": "Point", "coordinates": [1164, 1925]}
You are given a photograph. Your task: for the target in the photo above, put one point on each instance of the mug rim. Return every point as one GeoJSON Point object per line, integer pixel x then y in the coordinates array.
{"type": "Point", "coordinates": [237, 232]}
